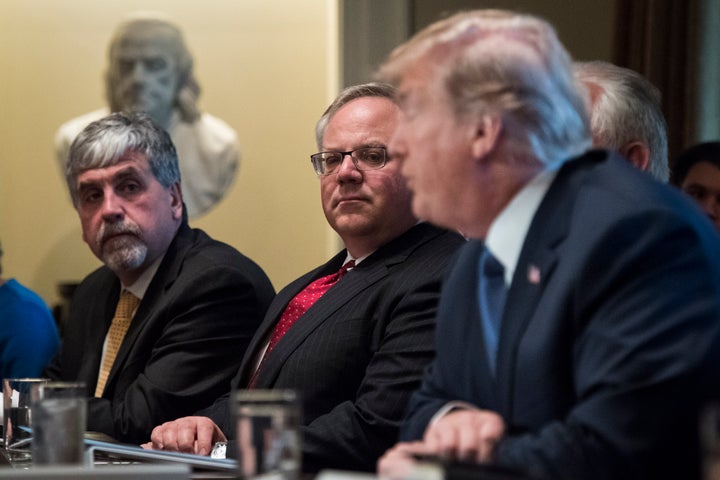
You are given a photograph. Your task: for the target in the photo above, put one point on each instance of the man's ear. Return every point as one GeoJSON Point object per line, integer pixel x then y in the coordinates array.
{"type": "Point", "coordinates": [486, 135]}
{"type": "Point", "coordinates": [176, 202]}
{"type": "Point", "coordinates": [638, 154]}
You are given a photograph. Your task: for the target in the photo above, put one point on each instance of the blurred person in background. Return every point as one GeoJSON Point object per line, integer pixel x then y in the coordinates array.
{"type": "Point", "coordinates": [696, 171]}
{"type": "Point", "coordinates": [28, 334]}
{"type": "Point", "coordinates": [626, 115]}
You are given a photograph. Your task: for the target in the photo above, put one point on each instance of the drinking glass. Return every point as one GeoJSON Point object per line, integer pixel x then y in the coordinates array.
{"type": "Point", "coordinates": [268, 433]}
{"type": "Point", "coordinates": [59, 410]}
{"type": "Point", "coordinates": [17, 417]}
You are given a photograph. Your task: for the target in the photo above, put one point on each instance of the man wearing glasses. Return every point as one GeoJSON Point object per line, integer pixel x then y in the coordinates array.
{"type": "Point", "coordinates": [364, 321]}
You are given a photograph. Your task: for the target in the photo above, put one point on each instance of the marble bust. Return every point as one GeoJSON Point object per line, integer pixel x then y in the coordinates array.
{"type": "Point", "coordinates": [150, 69]}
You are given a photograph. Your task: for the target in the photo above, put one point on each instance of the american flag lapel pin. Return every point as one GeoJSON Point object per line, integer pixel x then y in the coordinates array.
{"type": "Point", "coordinates": [533, 274]}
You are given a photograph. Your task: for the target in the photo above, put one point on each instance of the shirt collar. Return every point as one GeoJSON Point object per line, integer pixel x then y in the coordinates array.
{"type": "Point", "coordinates": [507, 232]}
{"type": "Point", "coordinates": [349, 257]}
{"type": "Point", "coordinates": [143, 282]}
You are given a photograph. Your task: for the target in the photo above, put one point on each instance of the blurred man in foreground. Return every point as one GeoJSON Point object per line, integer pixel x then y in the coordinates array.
{"type": "Point", "coordinates": [588, 307]}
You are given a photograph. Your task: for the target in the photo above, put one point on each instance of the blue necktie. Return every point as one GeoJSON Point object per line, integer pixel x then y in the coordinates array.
{"type": "Point", "coordinates": [492, 293]}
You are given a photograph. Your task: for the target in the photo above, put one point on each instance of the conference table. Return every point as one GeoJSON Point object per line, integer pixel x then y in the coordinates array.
{"type": "Point", "coordinates": [120, 462]}
{"type": "Point", "coordinates": [113, 461]}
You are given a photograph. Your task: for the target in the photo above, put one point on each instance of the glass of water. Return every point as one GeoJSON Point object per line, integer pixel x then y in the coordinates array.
{"type": "Point", "coordinates": [17, 417]}
{"type": "Point", "coordinates": [59, 411]}
{"type": "Point", "coordinates": [268, 434]}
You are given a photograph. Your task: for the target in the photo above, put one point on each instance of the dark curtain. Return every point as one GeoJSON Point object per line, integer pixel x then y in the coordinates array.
{"type": "Point", "coordinates": [660, 39]}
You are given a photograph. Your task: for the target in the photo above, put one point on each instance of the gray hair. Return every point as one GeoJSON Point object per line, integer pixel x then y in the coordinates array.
{"type": "Point", "coordinates": [627, 108]}
{"type": "Point", "coordinates": [188, 89]}
{"type": "Point", "coordinates": [373, 89]}
{"type": "Point", "coordinates": [501, 62]}
{"type": "Point", "coordinates": [104, 142]}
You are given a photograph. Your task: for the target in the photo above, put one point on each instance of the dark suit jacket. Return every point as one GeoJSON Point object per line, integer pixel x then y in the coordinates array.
{"type": "Point", "coordinates": [198, 315]}
{"type": "Point", "coordinates": [604, 360]}
{"type": "Point", "coordinates": [358, 352]}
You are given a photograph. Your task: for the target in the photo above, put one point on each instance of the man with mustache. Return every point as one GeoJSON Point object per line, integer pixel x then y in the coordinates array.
{"type": "Point", "coordinates": [357, 353]}
{"type": "Point", "coordinates": [155, 333]}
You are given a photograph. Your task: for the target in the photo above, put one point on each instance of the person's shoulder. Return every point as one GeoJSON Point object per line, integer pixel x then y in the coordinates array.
{"type": "Point", "coordinates": [426, 239]}
{"type": "Point", "coordinates": [99, 280]}
{"type": "Point", "coordinates": [604, 190]}
{"type": "Point", "coordinates": [214, 130]}
{"type": "Point", "coordinates": [203, 245]}
{"type": "Point", "coordinates": [420, 253]}
{"type": "Point", "coordinates": [71, 128]}
{"type": "Point", "coordinates": [25, 300]}
{"type": "Point", "coordinates": [443, 236]}
{"type": "Point", "coordinates": [205, 252]}
{"type": "Point", "coordinates": [216, 124]}
{"type": "Point", "coordinates": [607, 180]}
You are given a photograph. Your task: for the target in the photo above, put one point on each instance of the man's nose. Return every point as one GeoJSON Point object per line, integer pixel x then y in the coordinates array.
{"type": "Point", "coordinates": [712, 207]}
{"type": "Point", "coordinates": [112, 206]}
{"type": "Point", "coordinates": [347, 171]}
{"type": "Point", "coordinates": [709, 206]}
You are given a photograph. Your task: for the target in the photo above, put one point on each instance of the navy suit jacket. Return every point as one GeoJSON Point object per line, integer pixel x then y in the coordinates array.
{"type": "Point", "coordinates": [358, 353]}
{"type": "Point", "coordinates": [181, 350]}
{"type": "Point", "coordinates": [609, 338]}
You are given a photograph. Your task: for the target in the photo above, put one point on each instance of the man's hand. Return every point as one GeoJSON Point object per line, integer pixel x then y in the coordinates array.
{"type": "Point", "coordinates": [466, 434]}
{"type": "Point", "coordinates": [398, 462]}
{"type": "Point", "coordinates": [188, 435]}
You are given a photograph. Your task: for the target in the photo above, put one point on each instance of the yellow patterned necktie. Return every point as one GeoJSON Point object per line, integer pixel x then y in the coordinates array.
{"type": "Point", "coordinates": [119, 326]}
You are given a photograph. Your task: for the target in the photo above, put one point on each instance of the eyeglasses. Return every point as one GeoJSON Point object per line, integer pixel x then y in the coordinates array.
{"type": "Point", "coordinates": [366, 158]}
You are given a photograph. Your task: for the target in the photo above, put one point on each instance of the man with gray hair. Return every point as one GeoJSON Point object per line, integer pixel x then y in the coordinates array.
{"type": "Point", "coordinates": [626, 115]}
{"type": "Point", "coordinates": [577, 333]}
{"type": "Point", "coordinates": [156, 332]}
{"type": "Point", "coordinates": [151, 70]}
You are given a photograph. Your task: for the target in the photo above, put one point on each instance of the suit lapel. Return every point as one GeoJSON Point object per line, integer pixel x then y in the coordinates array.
{"type": "Point", "coordinates": [354, 282]}
{"type": "Point", "coordinates": [272, 316]}
{"type": "Point", "coordinates": [164, 278]}
{"type": "Point", "coordinates": [371, 270]}
{"type": "Point", "coordinates": [536, 264]}
{"type": "Point", "coordinates": [99, 319]}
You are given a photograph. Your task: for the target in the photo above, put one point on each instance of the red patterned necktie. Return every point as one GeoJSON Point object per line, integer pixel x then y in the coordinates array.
{"type": "Point", "coordinates": [298, 306]}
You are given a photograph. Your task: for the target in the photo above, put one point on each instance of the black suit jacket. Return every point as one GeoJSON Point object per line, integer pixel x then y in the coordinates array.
{"type": "Point", "coordinates": [358, 352]}
{"type": "Point", "coordinates": [181, 350]}
{"type": "Point", "coordinates": [609, 341]}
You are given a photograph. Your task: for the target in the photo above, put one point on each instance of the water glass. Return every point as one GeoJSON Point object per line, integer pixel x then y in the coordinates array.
{"type": "Point", "coordinates": [268, 434]}
{"type": "Point", "coordinates": [710, 441]}
{"type": "Point", "coordinates": [17, 418]}
{"type": "Point", "coordinates": [59, 410]}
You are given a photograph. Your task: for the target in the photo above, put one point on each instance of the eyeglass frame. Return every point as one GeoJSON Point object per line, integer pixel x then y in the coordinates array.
{"type": "Point", "coordinates": [353, 158]}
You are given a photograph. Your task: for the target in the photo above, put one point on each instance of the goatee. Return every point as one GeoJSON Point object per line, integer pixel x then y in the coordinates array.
{"type": "Point", "coordinates": [122, 246]}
